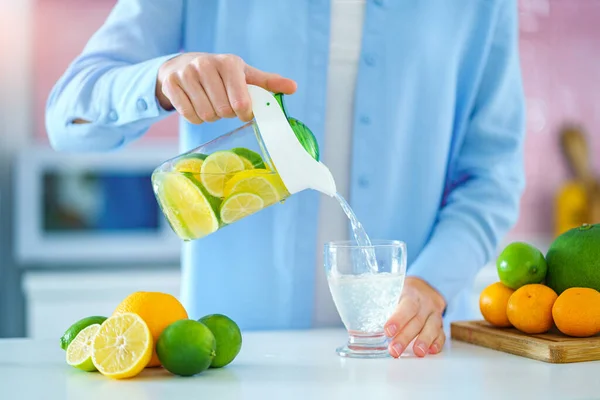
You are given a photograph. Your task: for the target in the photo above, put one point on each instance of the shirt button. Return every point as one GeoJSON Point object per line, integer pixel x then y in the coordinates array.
{"type": "Point", "coordinates": [142, 105]}
{"type": "Point", "coordinates": [365, 120]}
{"type": "Point", "coordinates": [113, 116]}
{"type": "Point", "coordinates": [363, 182]}
{"type": "Point", "coordinates": [370, 59]}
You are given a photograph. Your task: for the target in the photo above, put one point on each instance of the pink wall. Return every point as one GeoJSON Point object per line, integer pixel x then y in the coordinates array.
{"type": "Point", "coordinates": [560, 53]}
{"type": "Point", "coordinates": [62, 27]}
{"type": "Point", "coordinates": [560, 57]}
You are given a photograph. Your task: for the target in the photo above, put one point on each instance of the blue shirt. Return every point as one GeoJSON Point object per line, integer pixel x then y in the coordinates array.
{"type": "Point", "coordinates": [437, 153]}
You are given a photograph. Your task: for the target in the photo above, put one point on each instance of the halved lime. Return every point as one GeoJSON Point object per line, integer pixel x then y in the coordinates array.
{"type": "Point", "coordinates": [251, 158]}
{"type": "Point", "coordinates": [261, 182]}
{"type": "Point", "coordinates": [190, 163]}
{"type": "Point", "coordinates": [191, 211]}
{"type": "Point", "coordinates": [79, 351]}
{"type": "Point", "coordinates": [217, 169]}
{"type": "Point", "coordinates": [240, 205]}
{"type": "Point", "coordinates": [77, 327]}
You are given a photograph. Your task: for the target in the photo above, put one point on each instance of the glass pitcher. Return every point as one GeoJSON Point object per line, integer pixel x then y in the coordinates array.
{"type": "Point", "coordinates": [241, 172]}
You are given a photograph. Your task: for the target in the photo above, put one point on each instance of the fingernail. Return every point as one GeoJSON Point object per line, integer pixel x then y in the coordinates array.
{"type": "Point", "coordinates": [434, 348]}
{"type": "Point", "coordinates": [391, 330]}
{"type": "Point", "coordinates": [421, 347]}
{"type": "Point", "coordinates": [396, 350]}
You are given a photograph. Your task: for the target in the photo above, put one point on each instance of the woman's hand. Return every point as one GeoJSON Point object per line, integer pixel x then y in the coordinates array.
{"type": "Point", "coordinates": [206, 87]}
{"type": "Point", "coordinates": [418, 315]}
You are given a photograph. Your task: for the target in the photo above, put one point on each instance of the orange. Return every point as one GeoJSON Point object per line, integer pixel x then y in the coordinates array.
{"type": "Point", "coordinates": [576, 312]}
{"type": "Point", "coordinates": [158, 310]}
{"type": "Point", "coordinates": [492, 304]}
{"type": "Point", "coordinates": [530, 308]}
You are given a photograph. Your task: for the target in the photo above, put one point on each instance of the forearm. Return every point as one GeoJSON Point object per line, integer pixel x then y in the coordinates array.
{"type": "Point", "coordinates": [107, 96]}
{"type": "Point", "coordinates": [117, 103]}
{"type": "Point", "coordinates": [467, 234]}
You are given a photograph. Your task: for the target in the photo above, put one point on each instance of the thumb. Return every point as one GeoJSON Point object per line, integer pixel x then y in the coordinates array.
{"type": "Point", "coordinates": [272, 82]}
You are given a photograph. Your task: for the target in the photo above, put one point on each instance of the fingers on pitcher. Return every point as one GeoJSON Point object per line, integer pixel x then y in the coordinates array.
{"type": "Point", "coordinates": [179, 99]}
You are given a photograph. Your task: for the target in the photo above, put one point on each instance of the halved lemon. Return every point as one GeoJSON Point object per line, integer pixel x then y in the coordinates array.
{"type": "Point", "coordinates": [262, 182]}
{"type": "Point", "coordinates": [191, 211]}
{"type": "Point", "coordinates": [79, 351]}
{"type": "Point", "coordinates": [217, 168]}
{"type": "Point", "coordinates": [122, 347]}
{"type": "Point", "coordinates": [240, 205]}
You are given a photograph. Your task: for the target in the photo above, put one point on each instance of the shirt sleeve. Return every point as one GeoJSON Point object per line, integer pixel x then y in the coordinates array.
{"type": "Point", "coordinates": [112, 82]}
{"type": "Point", "coordinates": [479, 211]}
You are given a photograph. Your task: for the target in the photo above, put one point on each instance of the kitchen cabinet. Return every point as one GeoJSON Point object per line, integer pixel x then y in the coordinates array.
{"type": "Point", "coordinates": [57, 299]}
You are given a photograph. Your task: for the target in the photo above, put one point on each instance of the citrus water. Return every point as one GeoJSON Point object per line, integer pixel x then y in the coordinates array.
{"type": "Point", "coordinates": [202, 193]}
{"type": "Point", "coordinates": [360, 235]}
{"type": "Point", "coordinates": [366, 301]}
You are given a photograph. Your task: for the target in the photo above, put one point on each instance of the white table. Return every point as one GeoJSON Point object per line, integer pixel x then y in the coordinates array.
{"type": "Point", "coordinates": [303, 365]}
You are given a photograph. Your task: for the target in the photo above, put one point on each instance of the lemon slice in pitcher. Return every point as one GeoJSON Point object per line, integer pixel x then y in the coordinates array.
{"type": "Point", "coordinates": [190, 163]}
{"type": "Point", "coordinates": [240, 205]}
{"type": "Point", "coordinates": [261, 182]}
{"type": "Point", "coordinates": [250, 158]}
{"type": "Point", "coordinates": [190, 210]}
{"type": "Point", "coordinates": [217, 168]}
{"type": "Point", "coordinates": [122, 347]}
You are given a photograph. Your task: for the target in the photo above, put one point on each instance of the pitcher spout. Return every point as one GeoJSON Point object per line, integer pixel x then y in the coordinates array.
{"type": "Point", "coordinates": [323, 181]}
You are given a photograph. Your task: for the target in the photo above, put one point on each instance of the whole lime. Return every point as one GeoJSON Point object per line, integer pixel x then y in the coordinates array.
{"type": "Point", "coordinates": [521, 264]}
{"type": "Point", "coordinates": [574, 259]}
{"type": "Point", "coordinates": [228, 336]}
{"type": "Point", "coordinates": [77, 327]}
{"type": "Point", "coordinates": [186, 347]}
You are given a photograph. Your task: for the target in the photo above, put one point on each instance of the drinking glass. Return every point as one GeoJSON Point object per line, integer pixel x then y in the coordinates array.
{"type": "Point", "coordinates": [365, 298]}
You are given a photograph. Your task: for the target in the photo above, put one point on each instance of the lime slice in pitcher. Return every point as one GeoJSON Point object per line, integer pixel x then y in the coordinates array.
{"type": "Point", "coordinates": [217, 168]}
{"type": "Point", "coordinates": [190, 163]}
{"type": "Point", "coordinates": [250, 158]}
{"type": "Point", "coordinates": [261, 182]}
{"type": "Point", "coordinates": [189, 209]}
{"type": "Point", "coordinates": [240, 205]}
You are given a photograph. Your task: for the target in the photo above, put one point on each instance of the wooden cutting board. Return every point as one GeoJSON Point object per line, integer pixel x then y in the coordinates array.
{"type": "Point", "coordinates": [552, 347]}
